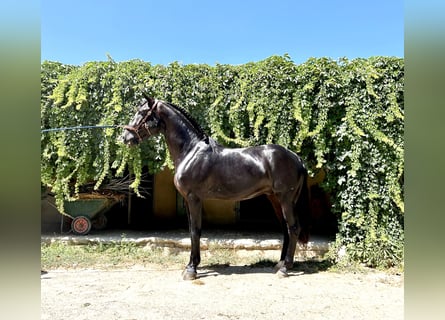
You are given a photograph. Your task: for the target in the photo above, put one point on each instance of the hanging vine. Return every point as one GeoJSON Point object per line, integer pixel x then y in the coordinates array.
{"type": "Point", "coordinates": [346, 116]}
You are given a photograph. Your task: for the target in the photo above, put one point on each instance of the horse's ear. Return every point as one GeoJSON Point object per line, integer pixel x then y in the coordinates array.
{"type": "Point", "coordinates": [150, 100]}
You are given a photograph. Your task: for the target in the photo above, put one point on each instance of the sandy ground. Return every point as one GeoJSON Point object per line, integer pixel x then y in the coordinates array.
{"type": "Point", "coordinates": [222, 292]}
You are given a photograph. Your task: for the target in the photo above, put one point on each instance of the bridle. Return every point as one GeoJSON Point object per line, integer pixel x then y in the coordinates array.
{"type": "Point", "coordinates": [135, 129]}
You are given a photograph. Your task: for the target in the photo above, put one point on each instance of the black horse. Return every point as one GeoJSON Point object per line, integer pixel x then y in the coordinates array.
{"type": "Point", "coordinates": [206, 170]}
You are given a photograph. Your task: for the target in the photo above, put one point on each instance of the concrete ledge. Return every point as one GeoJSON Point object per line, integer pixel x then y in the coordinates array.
{"type": "Point", "coordinates": [316, 248]}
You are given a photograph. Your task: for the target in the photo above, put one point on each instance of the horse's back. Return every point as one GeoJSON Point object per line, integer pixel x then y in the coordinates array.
{"type": "Point", "coordinates": [273, 158]}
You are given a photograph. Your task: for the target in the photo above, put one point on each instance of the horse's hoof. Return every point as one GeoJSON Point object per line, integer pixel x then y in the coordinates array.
{"type": "Point", "coordinates": [282, 273]}
{"type": "Point", "coordinates": [278, 266]}
{"type": "Point", "coordinates": [189, 275]}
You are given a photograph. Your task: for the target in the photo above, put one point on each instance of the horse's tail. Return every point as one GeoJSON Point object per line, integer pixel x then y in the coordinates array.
{"type": "Point", "coordinates": [303, 211]}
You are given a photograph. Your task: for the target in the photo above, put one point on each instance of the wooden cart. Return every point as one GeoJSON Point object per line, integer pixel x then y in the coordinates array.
{"type": "Point", "coordinates": [89, 211]}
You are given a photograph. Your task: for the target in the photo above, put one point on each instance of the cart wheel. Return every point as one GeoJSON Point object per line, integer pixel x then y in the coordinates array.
{"type": "Point", "coordinates": [81, 225]}
{"type": "Point", "coordinates": [100, 222]}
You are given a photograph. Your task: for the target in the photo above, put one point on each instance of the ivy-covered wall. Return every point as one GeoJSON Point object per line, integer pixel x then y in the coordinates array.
{"type": "Point", "coordinates": [346, 116]}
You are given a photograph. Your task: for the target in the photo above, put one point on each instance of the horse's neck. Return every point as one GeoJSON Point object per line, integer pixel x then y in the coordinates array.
{"type": "Point", "coordinates": [180, 137]}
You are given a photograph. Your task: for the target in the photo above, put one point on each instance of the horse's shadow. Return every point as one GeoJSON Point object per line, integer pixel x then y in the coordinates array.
{"type": "Point", "coordinates": [264, 266]}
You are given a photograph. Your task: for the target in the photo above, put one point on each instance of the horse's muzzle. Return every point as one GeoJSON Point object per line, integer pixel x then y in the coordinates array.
{"type": "Point", "coordinates": [129, 137]}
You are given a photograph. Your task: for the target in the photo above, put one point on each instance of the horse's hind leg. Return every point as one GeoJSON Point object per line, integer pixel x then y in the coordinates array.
{"type": "Point", "coordinates": [194, 206]}
{"type": "Point", "coordinates": [279, 213]}
{"type": "Point", "coordinates": [293, 230]}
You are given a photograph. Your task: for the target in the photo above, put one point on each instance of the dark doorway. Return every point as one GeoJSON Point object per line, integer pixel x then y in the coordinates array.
{"type": "Point", "coordinates": [324, 222]}
{"type": "Point", "coordinates": [258, 213]}
{"type": "Point", "coordinates": [135, 212]}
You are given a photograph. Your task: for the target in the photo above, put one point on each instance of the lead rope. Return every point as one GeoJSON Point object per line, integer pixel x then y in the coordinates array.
{"type": "Point", "coordinates": [82, 127]}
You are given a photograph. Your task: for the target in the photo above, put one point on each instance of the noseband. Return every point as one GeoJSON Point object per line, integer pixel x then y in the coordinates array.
{"type": "Point", "coordinates": [143, 123]}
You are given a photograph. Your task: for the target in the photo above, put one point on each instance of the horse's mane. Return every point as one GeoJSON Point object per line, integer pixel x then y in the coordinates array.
{"type": "Point", "coordinates": [201, 134]}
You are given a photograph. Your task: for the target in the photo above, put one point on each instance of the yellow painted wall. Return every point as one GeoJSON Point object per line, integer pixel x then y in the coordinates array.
{"type": "Point", "coordinates": [317, 178]}
{"type": "Point", "coordinates": [219, 211]}
{"type": "Point", "coordinates": [164, 195]}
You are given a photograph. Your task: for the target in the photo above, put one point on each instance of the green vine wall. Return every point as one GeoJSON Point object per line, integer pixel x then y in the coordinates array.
{"type": "Point", "coordinates": [345, 116]}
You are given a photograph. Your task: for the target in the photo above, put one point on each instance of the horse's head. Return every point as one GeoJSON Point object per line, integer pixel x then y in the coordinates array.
{"type": "Point", "coordinates": [144, 124]}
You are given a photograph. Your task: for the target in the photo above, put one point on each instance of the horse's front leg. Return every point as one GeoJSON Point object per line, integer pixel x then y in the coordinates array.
{"type": "Point", "coordinates": [194, 212]}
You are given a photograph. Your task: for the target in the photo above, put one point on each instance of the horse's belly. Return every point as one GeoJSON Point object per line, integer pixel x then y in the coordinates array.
{"type": "Point", "coordinates": [235, 192]}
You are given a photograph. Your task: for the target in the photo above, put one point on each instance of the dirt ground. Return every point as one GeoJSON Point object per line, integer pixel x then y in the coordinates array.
{"type": "Point", "coordinates": [220, 292]}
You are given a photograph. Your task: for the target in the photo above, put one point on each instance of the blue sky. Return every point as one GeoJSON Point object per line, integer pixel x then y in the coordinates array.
{"type": "Point", "coordinates": [232, 32]}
